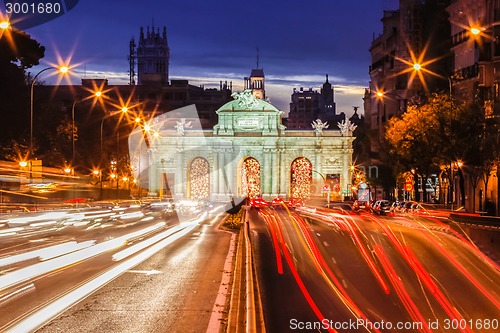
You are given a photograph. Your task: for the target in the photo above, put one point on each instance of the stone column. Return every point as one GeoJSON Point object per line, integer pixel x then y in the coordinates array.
{"type": "Point", "coordinates": [215, 173]}
{"type": "Point", "coordinates": [274, 172]}
{"type": "Point", "coordinates": [265, 175]}
{"type": "Point", "coordinates": [345, 168]}
{"type": "Point", "coordinates": [284, 175]}
{"type": "Point", "coordinates": [222, 181]}
{"type": "Point", "coordinates": [179, 172]}
{"type": "Point", "coordinates": [153, 173]}
{"type": "Point", "coordinates": [232, 187]}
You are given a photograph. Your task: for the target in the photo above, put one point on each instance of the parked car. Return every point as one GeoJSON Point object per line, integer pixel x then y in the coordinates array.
{"type": "Point", "coordinates": [294, 202]}
{"type": "Point", "coordinates": [277, 202]}
{"type": "Point", "coordinates": [395, 206]}
{"type": "Point", "coordinates": [258, 203]}
{"type": "Point", "coordinates": [382, 207]}
{"type": "Point", "coordinates": [360, 205]}
{"type": "Point", "coordinates": [408, 206]}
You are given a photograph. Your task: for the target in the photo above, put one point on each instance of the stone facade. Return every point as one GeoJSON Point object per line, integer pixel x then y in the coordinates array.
{"type": "Point", "coordinates": [175, 151]}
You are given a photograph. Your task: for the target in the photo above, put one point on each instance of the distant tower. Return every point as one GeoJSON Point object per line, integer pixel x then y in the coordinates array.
{"type": "Point", "coordinates": [131, 62]}
{"type": "Point", "coordinates": [327, 98]}
{"type": "Point", "coordinates": [153, 56]}
{"type": "Point", "coordinates": [256, 81]}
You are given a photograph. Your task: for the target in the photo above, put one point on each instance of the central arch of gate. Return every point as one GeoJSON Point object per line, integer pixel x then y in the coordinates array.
{"type": "Point", "coordinates": [248, 153]}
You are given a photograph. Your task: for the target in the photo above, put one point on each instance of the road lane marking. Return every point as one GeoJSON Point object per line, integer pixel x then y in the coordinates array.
{"type": "Point", "coordinates": [150, 272]}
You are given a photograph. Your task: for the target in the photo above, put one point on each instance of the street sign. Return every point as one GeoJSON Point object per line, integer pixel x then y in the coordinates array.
{"type": "Point", "coordinates": [408, 187]}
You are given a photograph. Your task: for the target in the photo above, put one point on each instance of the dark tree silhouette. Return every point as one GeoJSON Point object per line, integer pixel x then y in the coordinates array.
{"type": "Point", "coordinates": [18, 52]}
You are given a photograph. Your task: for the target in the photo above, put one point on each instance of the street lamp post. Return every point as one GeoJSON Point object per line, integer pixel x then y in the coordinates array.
{"type": "Point", "coordinates": [63, 70]}
{"type": "Point", "coordinates": [381, 94]}
{"type": "Point", "coordinates": [123, 110]}
{"type": "Point", "coordinates": [77, 99]}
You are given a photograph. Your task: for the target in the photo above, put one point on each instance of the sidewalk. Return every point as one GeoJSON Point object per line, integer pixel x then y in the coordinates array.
{"type": "Point", "coordinates": [484, 232]}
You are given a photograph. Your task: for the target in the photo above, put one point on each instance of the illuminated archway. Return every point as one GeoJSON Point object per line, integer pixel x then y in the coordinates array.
{"type": "Point", "coordinates": [250, 178]}
{"type": "Point", "coordinates": [199, 178]}
{"type": "Point", "coordinates": [300, 178]}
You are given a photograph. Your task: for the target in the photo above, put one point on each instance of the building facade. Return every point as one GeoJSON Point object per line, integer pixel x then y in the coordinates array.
{"type": "Point", "coordinates": [464, 62]}
{"type": "Point", "coordinates": [153, 57]}
{"type": "Point", "coordinates": [476, 64]}
{"type": "Point", "coordinates": [309, 105]}
{"type": "Point", "coordinates": [249, 153]}
{"type": "Point", "coordinates": [475, 34]}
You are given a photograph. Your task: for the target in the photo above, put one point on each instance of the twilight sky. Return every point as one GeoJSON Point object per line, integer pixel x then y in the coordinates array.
{"type": "Point", "coordinates": [299, 41]}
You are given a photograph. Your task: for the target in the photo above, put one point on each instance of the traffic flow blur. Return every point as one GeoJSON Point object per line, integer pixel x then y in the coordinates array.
{"type": "Point", "coordinates": [377, 207]}
{"type": "Point", "coordinates": [386, 267]}
{"type": "Point", "coordinates": [83, 249]}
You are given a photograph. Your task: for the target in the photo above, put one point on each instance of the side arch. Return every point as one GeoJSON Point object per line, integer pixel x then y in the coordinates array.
{"type": "Point", "coordinates": [300, 178]}
{"type": "Point", "coordinates": [198, 179]}
{"type": "Point", "coordinates": [249, 178]}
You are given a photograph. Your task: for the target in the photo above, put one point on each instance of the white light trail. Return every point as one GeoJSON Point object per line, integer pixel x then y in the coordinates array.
{"type": "Point", "coordinates": [30, 272]}
{"type": "Point", "coordinates": [142, 245]}
{"type": "Point", "coordinates": [44, 253]}
{"type": "Point", "coordinates": [45, 314]}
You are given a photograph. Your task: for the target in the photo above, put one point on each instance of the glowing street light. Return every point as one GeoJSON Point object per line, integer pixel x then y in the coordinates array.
{"type": "Point", "coordinates": [4, 25]}
{"type": "Point", "coordinates": [382, 94]}
{"type": "Point", "coordinates": [122, 111]}
{"type": "Point", "coordinates": [475, 31]}
{"type": "Point", "coordinates": [96, 94]}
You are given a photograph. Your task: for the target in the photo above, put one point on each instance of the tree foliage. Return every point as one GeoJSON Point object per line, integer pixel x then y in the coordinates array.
{"type": "Point", "coordinates": [18, 52]}
{"type": "Point", "coordinates": [441, 131]}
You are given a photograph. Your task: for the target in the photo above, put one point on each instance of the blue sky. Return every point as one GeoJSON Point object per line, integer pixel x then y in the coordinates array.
{"type": "Point", "coordinates": [299, 41]}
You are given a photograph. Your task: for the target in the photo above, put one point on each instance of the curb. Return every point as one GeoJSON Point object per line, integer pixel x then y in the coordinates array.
{"type": "Point", "coordinates": [245, 313]}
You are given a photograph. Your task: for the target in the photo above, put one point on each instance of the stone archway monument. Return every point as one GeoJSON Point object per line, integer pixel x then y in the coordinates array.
{"type": "Point", "coordinates": [248, 129]}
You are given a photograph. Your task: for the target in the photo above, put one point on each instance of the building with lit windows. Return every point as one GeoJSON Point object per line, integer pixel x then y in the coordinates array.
{"type": "Point", "coordinates": [441, 35]}
{"type": "Point", "coordinates": [256, 83]}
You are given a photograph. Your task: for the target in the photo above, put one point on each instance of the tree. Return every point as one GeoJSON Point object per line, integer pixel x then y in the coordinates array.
{"type": "Point", "coordinates": [412, 139]}
{"type": "Point", "coordinates": [18, 52]}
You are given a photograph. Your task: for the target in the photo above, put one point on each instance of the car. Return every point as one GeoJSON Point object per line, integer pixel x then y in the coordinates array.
{"type": "Point", "coordinates": [341, 207]}
{"type": "Point", "coordinates": [382, 207]}
{"type": "Point", "coordinates": [360, 205]}
{"type": "Point", "coordinates": [373, 206]}
{"type": "Point", "coordinates": [258, 203]}
{"type": "Point", "coordinates": [408, 206]}
{"type": "Point", "coordinates": [277, 202]}
{"type": "Point", "coordinates": [394, 206]}
{"type": "Point", "coordinates": [398, 207]}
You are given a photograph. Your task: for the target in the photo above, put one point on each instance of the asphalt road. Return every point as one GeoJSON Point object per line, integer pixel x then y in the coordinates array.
{"type": "Point", "coordinates": [169, 282]}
